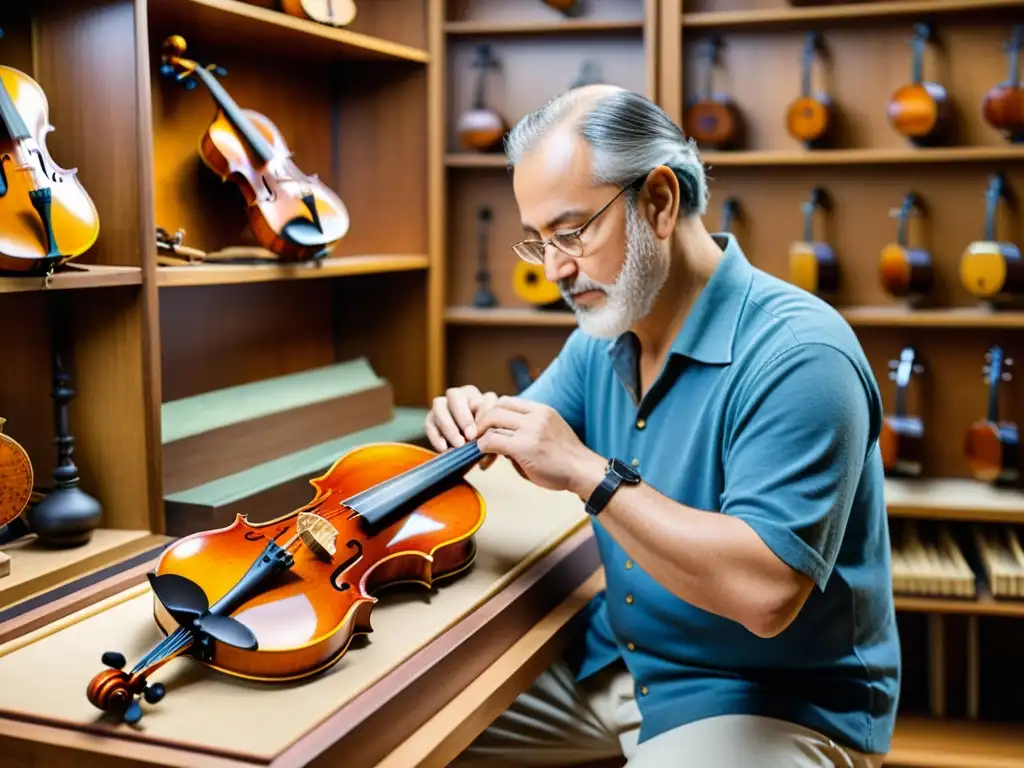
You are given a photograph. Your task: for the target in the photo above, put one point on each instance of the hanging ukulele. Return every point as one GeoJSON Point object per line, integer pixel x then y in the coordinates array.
{"type": "Point", "coordinates": [812, 263]}
{"type": "Point", "coordinates": [46, 216]}
{"type": "Point", "coordinates": [484, 296]}
{"type": "Point", "coordinates": [921, 109]}
{"type": "Point", "coordinates": [809, 117]}
{"type": "Point", "coordinates": [902, 437]}
{"type": "Point", "coordinates": [906, 271]}
{"type": "Point", "coordinates": [713, 120]}
{"type": "Point", "coordinates": [481, 128]}
{"type": "Point", "coordinates": [991, 446]}
{"type": "Point", "coordinates": [290, 213]}
{"type": "Point", "coordinates": [730, 211]}
{"type": "Point", "coordinates": [1003, 107]}
{"type": "Point", "coordinates": [992, 270]}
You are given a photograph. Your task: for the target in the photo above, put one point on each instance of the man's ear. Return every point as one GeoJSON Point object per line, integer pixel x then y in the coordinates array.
{"type": "Point", "coordinates": [660, 202]}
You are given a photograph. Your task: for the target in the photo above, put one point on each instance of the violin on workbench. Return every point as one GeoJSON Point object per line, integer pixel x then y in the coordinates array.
{"type": "Point", "coordinates": [281, 600]}
{"type": "Point", "coordinates": [291, 214]}
{"type": "Point", "coordinates": [46, 215]}
{"type": "Point", "coordinates": [1003, 106]}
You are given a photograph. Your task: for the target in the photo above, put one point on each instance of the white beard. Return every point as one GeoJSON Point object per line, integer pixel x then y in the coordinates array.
{"type": "Point", "coordinates": [631, 297]}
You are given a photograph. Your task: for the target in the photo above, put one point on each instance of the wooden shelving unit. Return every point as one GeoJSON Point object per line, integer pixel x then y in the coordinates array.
{"type": "Point", "coordinates": [567, 27]}
{"type": "Point", "coordinates": [86, 276]}
{"type": "Point", "coordinates": [922, 742]}
{"type": "Point", "coordinates": [863, 157]}
{"type": "Point", "coordinates": [225, 274]}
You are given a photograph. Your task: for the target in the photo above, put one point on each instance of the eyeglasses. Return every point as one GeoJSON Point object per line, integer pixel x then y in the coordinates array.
{"type": "Point", "coordinates": [568, 243]}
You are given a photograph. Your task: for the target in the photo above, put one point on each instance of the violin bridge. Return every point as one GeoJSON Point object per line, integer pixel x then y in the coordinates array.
{"type": "Point", "coordinates": [318, 535]}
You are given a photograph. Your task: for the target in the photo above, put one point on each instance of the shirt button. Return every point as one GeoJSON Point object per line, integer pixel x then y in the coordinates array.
{"type": "Point", "coordinates": [629, 599]}
{"type": "Point", "coordinates": [629, 564]}
{"type": "Point", "coordinates": [635, 462]}
{"type": "Point", "coordinates": [641, 423]}
{"type": "Point", "coordinates": [643, 691]}
{"type": "Point", "coordinates": [630, 646]}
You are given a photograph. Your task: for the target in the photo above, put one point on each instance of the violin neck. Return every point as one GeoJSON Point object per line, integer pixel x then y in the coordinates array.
{"type": "Point", "coordinates": [376, 504]}
{"type": "Point", "coordinates": [16, 127]}
{"type": "Point", "coordinates": [234, 114]}
{"type": "Point", "coordinates": [901, 399]}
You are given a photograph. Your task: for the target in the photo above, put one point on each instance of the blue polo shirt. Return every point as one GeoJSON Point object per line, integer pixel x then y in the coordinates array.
{"type": "Point", "coordinates": [766, 410]}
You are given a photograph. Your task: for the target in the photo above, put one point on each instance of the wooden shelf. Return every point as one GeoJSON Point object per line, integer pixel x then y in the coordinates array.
{"type": "Point", "coordinates": [908, 156]}
{"type": "Point", "coordinates": [340, 266]}
{"type": "Point", "coordinates": [509, 316]}
{"type": "Point", "coordinates": [471, 160]}
{"type": "Point", "coordinates": [220, 22]}
{"type": "Point", "coordinates": [953, 499]}
{"type": "Point", "coordinates": [78, 276]}
{"type": "Point", "coordinates": [983, 605]}
{"type": "Point", "coordinates": [570, 27]}
{"type": "Point", "coordinates": [934, 743]}
{"type": "Point", "coordinates": [846, 13]}
{"type": "Point", "coordinates": [953, 317]}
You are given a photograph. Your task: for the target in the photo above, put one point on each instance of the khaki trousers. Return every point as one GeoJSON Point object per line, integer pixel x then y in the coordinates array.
{"type": "Point", "coordinates": [559, 722]}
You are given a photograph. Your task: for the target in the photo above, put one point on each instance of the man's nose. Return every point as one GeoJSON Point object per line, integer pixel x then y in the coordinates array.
{"type": "Point", "coordinates": [558, 265]}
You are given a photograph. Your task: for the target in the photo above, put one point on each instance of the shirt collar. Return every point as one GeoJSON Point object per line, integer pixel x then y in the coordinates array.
{"type": "Point", "coordinates": [709, 331]}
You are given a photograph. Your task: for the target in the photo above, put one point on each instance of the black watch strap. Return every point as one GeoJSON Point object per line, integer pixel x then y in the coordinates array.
{"type": "Point", "coordinates": [617, 474]}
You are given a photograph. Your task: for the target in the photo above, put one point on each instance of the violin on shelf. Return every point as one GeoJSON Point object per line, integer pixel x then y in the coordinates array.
{"type": "Point", "coordinates": [281, 600]}
{"type": "Point", "coordinates": [46, 216]}
{"type": "Point", "coordinates": [730, 211]}
{"type": "Point", "coordinates": [291, 214]}
{"type": "Point", "coordinates": [484, 296]}
{"type": "Point", "coordinates": [991, 269]}
{"type": "Point", "coordinates": [902, 437]}
{"type": "Point", "coordinates": [992, 446]}
{"type": "Point", "coordinates": [17, 478]}
{"type": "Point", "coordinates": [713, 120]}
{"type": "Point", "coordinates": [921, 110]}
{"type": "Point", "coordinates": [333, 13]}
{"type": "Point", "coordinates": [1003, 106]}
{"type": "Point", "coordinates": [809, 117]}
{"type": "Point", "coordinates": [812, 263]}
{"type": "Point", "coordinates": [480, 128]}
{"type": "Point", "coordinates": [904, 270]}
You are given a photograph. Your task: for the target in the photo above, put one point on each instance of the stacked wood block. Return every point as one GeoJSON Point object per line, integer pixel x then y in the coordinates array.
{"type": "Point", "coordinates": [1002, 559]}
{"type": "Point", "coordinates": [930, 566]}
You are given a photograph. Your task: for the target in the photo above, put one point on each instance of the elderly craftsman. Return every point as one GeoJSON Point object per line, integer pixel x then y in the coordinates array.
{"type": "Point", "coordinates": [721, 426]}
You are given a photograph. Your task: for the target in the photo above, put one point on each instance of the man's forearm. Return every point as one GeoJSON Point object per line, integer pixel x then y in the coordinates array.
{"type": "Point", "coordinates": [713, 561]}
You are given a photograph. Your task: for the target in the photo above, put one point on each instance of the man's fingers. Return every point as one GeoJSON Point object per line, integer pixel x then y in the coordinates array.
{"type": "Point", "coordinates": [496, 442]}
{"type": "Point", "coordinates": [517, 404]}
{"type": "Point", "coordinates": [445, 423]}
{"type": "Point", "coordinates": [439, 443]}
{"type": "Point", "coordinates": [500, 418]}
{"type": "Point", "coordinates": [459, 405]}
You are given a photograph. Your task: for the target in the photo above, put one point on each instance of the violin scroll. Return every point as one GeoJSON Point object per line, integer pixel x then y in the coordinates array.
{"type": "Point", "coordinates": [114, 690]}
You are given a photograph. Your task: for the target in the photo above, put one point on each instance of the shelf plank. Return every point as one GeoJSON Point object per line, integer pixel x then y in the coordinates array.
{"type": "Point", "coordinates": [472, 160]}
{"type": "Point", "coordinates": [569, 27]}
{"type": "Point", "coordinates": [79, 276]}
{"type": "Point", "coordinates": [982, 605]}
{"type": "Point", "coordinates": [222, 21]}
{"type": "Point", "coordinates": [340, 266]}
{"type": "Point", "coordinates": [953, 499]}
{"type": "Point", "coordinates": [937, 743]}
{"type": "Point", "coordinates": [510, 316]}
{"type": "Point", "coordinates": [846, 13]}
{"type": "Point", "coordinates": [895, 156]}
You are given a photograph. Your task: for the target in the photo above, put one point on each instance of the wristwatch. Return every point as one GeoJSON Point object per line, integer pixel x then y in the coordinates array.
{"type": "Point", "coordinates": [618, 473]}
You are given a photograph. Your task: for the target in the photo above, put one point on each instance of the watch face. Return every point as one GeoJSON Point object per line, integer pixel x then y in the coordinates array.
{"type": "Point", "coordinates": [624, 471]}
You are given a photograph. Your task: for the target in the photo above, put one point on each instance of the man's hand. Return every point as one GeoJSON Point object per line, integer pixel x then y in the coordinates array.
{"type": "Point", "coordinates": [541, 445]}
{"type": "Point", "coordinates": [452, 419]}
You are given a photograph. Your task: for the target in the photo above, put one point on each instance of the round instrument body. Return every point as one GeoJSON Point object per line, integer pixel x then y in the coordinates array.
{"type": "Point", "coordinates": [992, 270]}
{"type": "Point", "coordinates": [714, 122]}
{"type": "Point", "coordinates": [16, 478]}
{"type": "Point", "coordinates": [920, 112]}
{"type": "Point", "coordinates": [1003, 109]}
{"type": "Point", "coordinates": [905, 271]}
{"type": "Point", "coordinates": [334, 13]}
{"type": "Point", "coordinates": [532, 286]}
{"type": "Point", "coordinates": [813, 267]}
{"type": "Point", "coordinates": [809, 119]}
{"type": "Point", "coordinates": [306, 617]}
{"type": "Point", "coordinates": [26, 165]}
{"type": "Point", "coordinates": [993, 451]}
{"type": "Point", "coordinates": [902, 442]}
{"type": "Point", "coordinates": [564, 6]}
{"type": "Point", "coordinates": [482, 130]}
{"type": "Point", "coordinates": [273, 191]}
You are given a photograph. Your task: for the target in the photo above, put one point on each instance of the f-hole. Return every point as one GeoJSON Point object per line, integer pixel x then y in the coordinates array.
{"type": "Point", "coordinates": [42, 165]}
{"type": "Point", "coordinates": [353, 544]}
{"type": "Point", "coordinates": [270, 193]}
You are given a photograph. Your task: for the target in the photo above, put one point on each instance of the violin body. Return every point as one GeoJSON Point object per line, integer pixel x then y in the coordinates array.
{"type": "Point", "coordinates": [809, 119]}
{"type": "Point", "coordinates": [993, 451]}
{"type": "Point", "coordinates": [16, 478]}
{"type": "Point", "coordinates": [906, 271]}
{"type": "Point", "coordinates": [991, 269]}
{"type": "Point", "coordinates": [921, 112]}
{"type": "Point", "coordinates": [278, 215]}
{"type": "Point", "coordinates": [902, 444]}
{"type": "Point", "coordinates": [813, 266]}
{"type": "Point", "coordinates": [283, 609]}
{"type": "Point", "coordinates": [532, 286]}
{"type": "Point", "coordinates": [714, 122]}
{"type": "Point", "coordinates": [481, 129]}
{"type": "Point", "coordinates": [46, 215]}
{"type": "Point", "coordinates": [334, 13]}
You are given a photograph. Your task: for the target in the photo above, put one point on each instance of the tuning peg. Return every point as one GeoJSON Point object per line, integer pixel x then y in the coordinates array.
{"type": "Point", "coordinates": [190, 84]}
{"type": "Point", "coordinates": [133, 713]}
{"type": "Point", "coordinates": [918, 368]}
{"type": "Point", "coordinates": [1008, 361]}
{"type": "Point", "coordinates": [1006, 376]}
{"type": "Point", "coordinates": [153, 693]}
{"type": "Point", "coordinates": [217, 69]}
{"type": "Point", "coordinates": [113, 659]}
{"type": "Point", "coordinates": [893, 365]}
{"type": "Point", "coordinates": [167, 70]}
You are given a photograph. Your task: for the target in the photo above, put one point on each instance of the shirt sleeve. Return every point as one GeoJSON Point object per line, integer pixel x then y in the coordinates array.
{"type": "Point", "coordinates": [561, 384]}
{"type": "Point", "coordinates": [795, 453]}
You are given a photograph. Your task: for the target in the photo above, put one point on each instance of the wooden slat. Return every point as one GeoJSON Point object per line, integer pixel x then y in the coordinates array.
{"type": "Point", "coordinates": [568, 27]}
{"type": "Point", "coordinates": [76, 276]}
{"type": "Point", "coordinates": [766, 158]}
{"type": "Point", "coordinates": [224, 274]}
{"type": "Point", "coordinates": [953, 499]}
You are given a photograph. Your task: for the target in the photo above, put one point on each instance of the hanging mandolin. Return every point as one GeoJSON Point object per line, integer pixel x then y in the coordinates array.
{"type": "Point", "coordinates": [992, 445]}
{"type": "Point", "coordinates": [809, 117]}
{"type": "Point", "coordinates": [481, 128]}
{"type": "Point", "coordinates": [991, 269]}
{"type": "Point", "coordinates": [902, 436]}
{"type": "Point", "coordinates": [812, 263]}
{"type": "Point", "coordinates": [906, 271]}
{"type": "Point", "coordinates": [291, 214]}
{"type": "Point", "coordinates": [713, 120]}
{"type": "Point", "coordinates": [921, 110]}
{"type": "Point", "coordinates": [1003, 107]}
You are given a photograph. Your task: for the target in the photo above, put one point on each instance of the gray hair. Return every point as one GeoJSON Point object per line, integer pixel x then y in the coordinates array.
{"type": "Point", "coordinates": [630, 136]}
